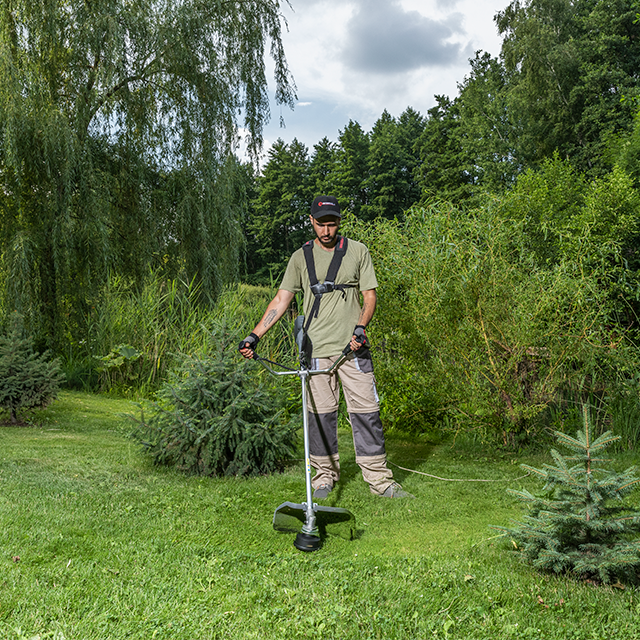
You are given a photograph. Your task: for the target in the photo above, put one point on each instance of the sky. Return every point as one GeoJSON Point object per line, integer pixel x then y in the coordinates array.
{"type": "Point", "coordinates": [352, 59]}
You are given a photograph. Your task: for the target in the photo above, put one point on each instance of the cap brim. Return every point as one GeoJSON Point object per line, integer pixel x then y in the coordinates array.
{"type": "Point", "coordinates": [326, 214]}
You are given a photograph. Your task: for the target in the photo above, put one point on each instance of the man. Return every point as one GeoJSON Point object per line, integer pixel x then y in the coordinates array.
{"type": "Point", "coordinates": [333, 320]}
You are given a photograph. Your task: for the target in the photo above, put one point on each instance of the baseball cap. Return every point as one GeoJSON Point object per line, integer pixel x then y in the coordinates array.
{"type": "Point", "coordinates": [325, 206]}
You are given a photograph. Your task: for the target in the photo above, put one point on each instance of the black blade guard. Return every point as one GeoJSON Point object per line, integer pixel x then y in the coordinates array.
{"type": "Point", "coordinates": [290, 516]}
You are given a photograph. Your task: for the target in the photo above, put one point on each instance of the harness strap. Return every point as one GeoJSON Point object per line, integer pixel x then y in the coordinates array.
{"type": "Point", "coordinates": [311, 267]}
{"type": "Point", "coordinates": [336, 261]}
{"type": "Point", "coordinates": [329, 284]}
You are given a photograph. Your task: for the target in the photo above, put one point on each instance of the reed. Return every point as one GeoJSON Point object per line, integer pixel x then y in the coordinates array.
{"type": "Point", "coordinates": [137, 334]}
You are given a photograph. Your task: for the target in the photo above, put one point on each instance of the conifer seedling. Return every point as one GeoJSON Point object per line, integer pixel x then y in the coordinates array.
{"type": "Point", "coordinates": [27, 379]}
{"type": "Point", "coordinates": [581, 525]}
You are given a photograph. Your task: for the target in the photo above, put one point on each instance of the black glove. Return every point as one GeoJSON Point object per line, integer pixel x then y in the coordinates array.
{"type": "Point", "coordinates": [361, 335]}
{"type": "Point", "coordinates": [250, 342]}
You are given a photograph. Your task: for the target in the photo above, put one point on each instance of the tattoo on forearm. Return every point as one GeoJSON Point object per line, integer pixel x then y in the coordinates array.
{"type": "Point", "coordinates": [268, 319]}
{"type": "Point", "coordinates": [363, 313]}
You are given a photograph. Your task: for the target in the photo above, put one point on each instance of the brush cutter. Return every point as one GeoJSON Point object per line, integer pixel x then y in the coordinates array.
{"type": "Point", "coordinates": [317, 520]}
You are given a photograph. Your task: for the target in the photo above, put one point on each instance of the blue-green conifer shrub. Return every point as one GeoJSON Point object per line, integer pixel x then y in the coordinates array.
{"type": "Point", "coordinates": [581, 526]}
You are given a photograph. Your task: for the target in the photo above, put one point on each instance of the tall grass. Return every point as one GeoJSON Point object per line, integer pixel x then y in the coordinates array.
{"type": "Point", "coordinates": [135, 335]}
{"type": "Point", "coordinates": [616, 408]}
{"type": "Point", "coordinates": [624, 410]}
{"type": "Point", "coordinates": [160, 319]}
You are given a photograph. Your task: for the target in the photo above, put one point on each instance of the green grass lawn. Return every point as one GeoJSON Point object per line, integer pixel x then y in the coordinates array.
{"type": "Point", "coordinates": [97, 543]}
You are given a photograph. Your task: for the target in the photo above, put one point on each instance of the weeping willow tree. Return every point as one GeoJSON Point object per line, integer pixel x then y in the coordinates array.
{"type": "Point", "coordinates": [118, 120]}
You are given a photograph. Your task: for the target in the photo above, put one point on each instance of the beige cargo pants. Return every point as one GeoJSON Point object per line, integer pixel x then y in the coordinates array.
{"type": "Point", "coordinates": [359, 389]}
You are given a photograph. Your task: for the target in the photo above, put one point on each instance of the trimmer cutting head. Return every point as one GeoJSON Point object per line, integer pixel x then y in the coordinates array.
{"type": "Point", "coordinates": [329, 520]}
{"type": "Point", "coordinates": [307, 542]}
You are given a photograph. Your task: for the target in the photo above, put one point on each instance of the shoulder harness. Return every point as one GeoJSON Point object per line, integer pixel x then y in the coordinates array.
{"type": "Point", "coordinates": [329, 285]}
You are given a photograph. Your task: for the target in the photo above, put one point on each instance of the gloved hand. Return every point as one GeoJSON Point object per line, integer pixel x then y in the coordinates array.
{"type": "Point", "coordinates": [361, 335]}
{"type": "Point", "coordinates": [250, 342]}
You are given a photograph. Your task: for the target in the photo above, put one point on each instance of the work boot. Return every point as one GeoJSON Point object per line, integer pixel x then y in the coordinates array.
{"type": "Point", "coordinates": [394, 490]}
{"type": "Point", "coordinates": [322, 491]}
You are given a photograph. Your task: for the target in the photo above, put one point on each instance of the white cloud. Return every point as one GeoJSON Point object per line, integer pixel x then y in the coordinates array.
{"type": "Point", "coordinates": [351, 59]}
{"type": "Point", "coordinates": [384, 38]}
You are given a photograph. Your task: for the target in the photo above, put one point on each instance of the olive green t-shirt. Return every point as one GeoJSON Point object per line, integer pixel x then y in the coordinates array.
{"type": "Point", "coordinates": [331, 331]}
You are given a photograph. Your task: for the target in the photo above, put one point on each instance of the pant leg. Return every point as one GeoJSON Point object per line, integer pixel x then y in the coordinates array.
{"type": "Point", "coordinates": [359, 387]}
{"type": "Point", "coordinates": [322, 410]}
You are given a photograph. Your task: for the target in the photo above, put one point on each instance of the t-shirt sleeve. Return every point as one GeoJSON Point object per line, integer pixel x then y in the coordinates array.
{"type": "Point", "coordinates": [367, 274]}
{"type": "Point", "coordinates": [292, 280]}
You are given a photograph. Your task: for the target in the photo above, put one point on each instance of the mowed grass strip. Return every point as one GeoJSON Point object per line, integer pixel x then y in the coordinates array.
{"type": "Point", "coordinates": [96, 543]}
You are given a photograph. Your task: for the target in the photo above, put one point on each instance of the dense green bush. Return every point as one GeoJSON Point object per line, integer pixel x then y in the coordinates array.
{"type": "Point", "coordinates": [473, 324]}
{"type": "Point", "coordinates": [27, 379]}
{"type": "Point", "coordinates": [217, 416]}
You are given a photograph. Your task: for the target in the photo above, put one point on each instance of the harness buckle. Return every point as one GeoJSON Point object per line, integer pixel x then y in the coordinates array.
{"type": "Point", "coordinates": [322, 287]}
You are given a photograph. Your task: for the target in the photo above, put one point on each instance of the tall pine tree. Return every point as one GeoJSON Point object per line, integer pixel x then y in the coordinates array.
{"type": "Point", "coordinates": [278, 222]}
{"type": "Point", "coordinates": [392, 184]}
{"type": "Point", "coordinates": [322, 169]}
{"type": "Point", "coordinates": [352, 168]}
{"type": "Point", "coordinates": [443, 170]}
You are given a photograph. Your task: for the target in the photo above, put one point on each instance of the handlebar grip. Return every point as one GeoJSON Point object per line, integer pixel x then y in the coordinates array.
{"type": "Point", "coordinates": [250, 342]}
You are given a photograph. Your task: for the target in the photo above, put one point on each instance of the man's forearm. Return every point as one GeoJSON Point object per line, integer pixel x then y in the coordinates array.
{"type": "Point", "coordinates": [368, 307]}
{"type": "Point", "coordinates": [276, 309]}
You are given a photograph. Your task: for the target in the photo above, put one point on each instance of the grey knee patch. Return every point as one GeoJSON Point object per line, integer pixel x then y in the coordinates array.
{"type": "Point", "coordinates": [363, 360]}
{"type": "Point", "coordinates": [368, 438]}
{"type": "Point", "coordinates": [323, 433]}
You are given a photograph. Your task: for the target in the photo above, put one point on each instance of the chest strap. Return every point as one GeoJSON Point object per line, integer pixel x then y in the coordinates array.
{"type": "Point", "coordinates": [329, 284]}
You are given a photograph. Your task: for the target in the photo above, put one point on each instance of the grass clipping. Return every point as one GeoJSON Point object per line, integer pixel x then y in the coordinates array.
{"type": "Point", "coordinates": [216, 417]}
{"type": "Point", "coordinates": [581, 525]}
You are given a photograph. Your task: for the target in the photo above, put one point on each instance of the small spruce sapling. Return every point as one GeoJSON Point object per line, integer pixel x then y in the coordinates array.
{"type": "Point", "coordinates": [217, 417]}
{"type": "Point", "coordinates": [27, 379]}
{"type": "Point", "coordinates": [581, 526]}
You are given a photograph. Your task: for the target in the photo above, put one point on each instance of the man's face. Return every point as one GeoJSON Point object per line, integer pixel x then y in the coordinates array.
{"type": "Point", "coordinates": [326, 229]}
